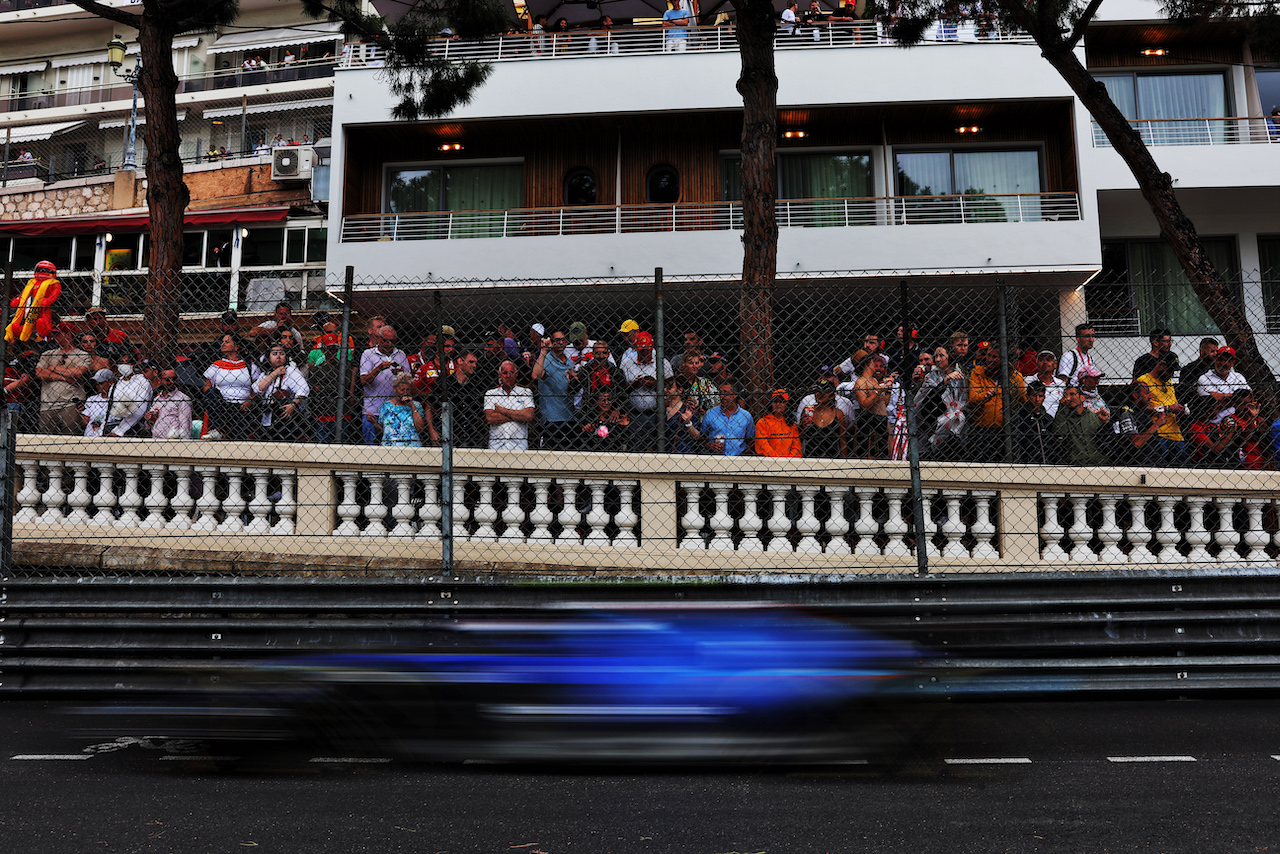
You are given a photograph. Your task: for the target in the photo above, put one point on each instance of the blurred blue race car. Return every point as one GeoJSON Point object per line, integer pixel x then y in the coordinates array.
{"type": "Point", "coordinates": [656, 684]}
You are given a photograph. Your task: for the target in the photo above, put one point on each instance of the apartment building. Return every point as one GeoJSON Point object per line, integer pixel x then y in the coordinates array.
{"type": "Point", "coordinates": [254, 107]}
{"type": "Point", "coordinates": [964, 160]}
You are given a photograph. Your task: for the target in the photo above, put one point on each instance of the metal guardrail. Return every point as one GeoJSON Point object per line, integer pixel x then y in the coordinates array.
{"type": "Point", "coordinates": [1046, 632]}
{"type": "Point", "coordinates": [710, 216]}
{"type": "Point", "coordinates": [1246, 130]}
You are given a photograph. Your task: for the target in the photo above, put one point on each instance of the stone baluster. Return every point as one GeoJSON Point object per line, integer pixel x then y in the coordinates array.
{"type": "Point", "coordinates": [79, 496]}
{"type": "Point", "coordinates": [183, 501]}
{"type": "Point", "coordinates": [486, 515]}
{"type": "Point", "coordinates": [154, 501]}
{"type": "Point", "coordinates": [207, 506]}
{"type": "Point", "coordinates": [1109, 532]}
{"type": "Point", "coordinates": [55, 496]}
{"type": "Point", "coordinates": [627, 519]}
{"type": "Point", "coordinates": [721, 521]}
{"type": "Point", "coordinates": [510, 513]}
{"type": "Point", "coordinates": [951, 526]}
{"type": "Point", "coordinates": [130, 499]}
{"type": "Point", "coordinates": [287, 505]}
{"type": "Point", "coordinates": [234, 507]}
{"type": "Point", "coordinates": [692, 519]}
{"type": "Point", "coordinates": [1139, 531]}
{"type": "Point", "coordinates": [541, 516]}
{"type": "Point", "coordinates": [259, 503]}
{"type": "Point", "coordinates": [375, 512]}
{"type": "Point", "coordinates": [808, 526]}
{"type": "Point", "coordinates": [865, 525]}
{"type": "Point", "coordinates": [1198, 535]}
{"type": "Point", "coordinates": [28, 497]}
{"type": "Point", "coordinates": [461, 513]}
{"type": "Point", "coordinates": [1076, 532]}
{"type": "Point", "coordinates": [838, 523]}
{"type": "Point", "coordinates": [779, 522]}
{"type": "Point", "coordinates": [1052, 532]}
{"type": "Point", "coordinates": [896, 527]}
{"type": "Point", "coordinates": [984, 526]}
{"type": "Point", "coordinates": [431, 511]}
{"type": "Point", "coordinates": [597, 515]}
{"type": "Point", "coordinates": [348, 509]}
{"type": "Point", "coordinates": [1166, 530]}
{"type": "Point", "coordinates": [402, 512]}
{"type": "Point", "coordinates": [1255, 538]}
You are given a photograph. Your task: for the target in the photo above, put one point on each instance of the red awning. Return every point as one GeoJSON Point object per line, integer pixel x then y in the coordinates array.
{"type": "Point", "coordinates": [139, 222]}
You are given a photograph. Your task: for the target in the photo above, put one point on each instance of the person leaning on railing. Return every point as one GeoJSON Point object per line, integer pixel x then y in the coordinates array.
{"type": "Point", "coordinates": [777, 434]}
{"type": "Point", "coordinates": [228, 392]}
{"type": "Point", "coordinates": [728, 429]}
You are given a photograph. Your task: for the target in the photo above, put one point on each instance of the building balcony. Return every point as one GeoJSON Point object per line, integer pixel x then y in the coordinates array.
{"type": "Point", "coordinates": [937, 233]}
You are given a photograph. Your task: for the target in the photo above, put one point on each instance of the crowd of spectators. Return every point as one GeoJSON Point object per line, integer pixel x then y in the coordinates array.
{"type": "Point", "coordinates": [562, 390]}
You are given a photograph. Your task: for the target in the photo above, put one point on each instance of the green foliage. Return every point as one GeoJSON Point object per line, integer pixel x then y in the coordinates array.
{"type": "Point", "coordinates": [426, 84]}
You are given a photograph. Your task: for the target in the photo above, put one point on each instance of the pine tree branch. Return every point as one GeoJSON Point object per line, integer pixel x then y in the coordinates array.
{"type": "Point", "coordinates": [1086, 17]}
{"type": "Point", "coordinates": [127, 19]}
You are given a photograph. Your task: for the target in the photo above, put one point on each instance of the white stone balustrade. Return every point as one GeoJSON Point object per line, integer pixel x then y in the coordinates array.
{"type": "Point", "coordinates": [641, 512]}
{"type": "Point", "coordinates": [86, 496]}
{"type": "Point", "coordinates": [1160, 529]}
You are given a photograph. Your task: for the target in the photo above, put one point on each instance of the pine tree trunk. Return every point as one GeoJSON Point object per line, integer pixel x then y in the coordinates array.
{"type": "Point", "coordinates": [167, 193]}
{"type": "Point", "coordinates": [758, 86]}
{"type": "Point", "coordinates": [1220, 298]}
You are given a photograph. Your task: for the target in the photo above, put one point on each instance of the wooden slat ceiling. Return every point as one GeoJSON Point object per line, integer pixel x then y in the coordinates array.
{"type": "Point", "coordinates": [843, 124]}
{"type": "Point", "coordinates": [1120, 45]}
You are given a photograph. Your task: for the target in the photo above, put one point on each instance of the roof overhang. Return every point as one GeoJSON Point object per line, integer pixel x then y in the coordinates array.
{"type": "Point", "coordinates": [134, 221]}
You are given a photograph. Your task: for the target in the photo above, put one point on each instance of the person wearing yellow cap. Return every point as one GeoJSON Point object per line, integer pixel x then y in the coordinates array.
{"type": "Point", "coordinates": [628, 330]}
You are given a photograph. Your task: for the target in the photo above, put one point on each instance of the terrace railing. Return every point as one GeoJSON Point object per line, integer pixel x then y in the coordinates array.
{"type": "Point", "coordinates": [710, 216]}
{"type": "Point", "coordinates": [1247, 130]}
{"type": "Point", "coordinates": [645, 41]}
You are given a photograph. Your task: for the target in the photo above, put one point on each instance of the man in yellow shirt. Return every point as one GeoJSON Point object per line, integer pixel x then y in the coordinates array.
{"type": "Point", "coordinates": [984, 435]}
{"type": "Point", "coordinates": [1165, 399]}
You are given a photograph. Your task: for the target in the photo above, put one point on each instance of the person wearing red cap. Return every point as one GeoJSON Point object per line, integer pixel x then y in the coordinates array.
{"type": "Point", "coordinates": [642, 378]}
{"type": "Point", "coordinates": [34, 306]}
{"type": "Point", "coordinates": [1221, 383]}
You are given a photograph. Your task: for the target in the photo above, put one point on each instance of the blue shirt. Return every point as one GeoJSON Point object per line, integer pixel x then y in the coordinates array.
{"type": "Point", "coordinates": [553, 389]}
{"type": "Point", "coordinates": [397, 425]}
{"type": "Point", "coordinates": [735, 429]}
{"type": "Point", "coordinates": [679, 16]}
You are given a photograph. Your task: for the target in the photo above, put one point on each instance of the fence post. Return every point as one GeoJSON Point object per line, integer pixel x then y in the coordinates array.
{"type": "Point", "coordinates": [8, 441]}
{"type": "Point", "coordinates": [446, 445]}
{"type": "Point", "coordinates": [913, 449]}
{"type": "Point", "coordinates": [344, 356]}
{"type": "Point", "coordinates": [1005, 397]}
{"type": "Point", "coordinates": [660, 412]}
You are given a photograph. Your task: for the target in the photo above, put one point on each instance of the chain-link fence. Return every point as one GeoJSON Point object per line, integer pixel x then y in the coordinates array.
{"type": "Point", "coordinates": [677, 424]}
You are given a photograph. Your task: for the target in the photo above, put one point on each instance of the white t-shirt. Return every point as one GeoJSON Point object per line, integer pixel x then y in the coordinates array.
{"type": "Point", "coordinates": [644, 399]}
{"type": "Point", "coordinates": [509, 435]}
{"type": "Point", "coordinates": [234, 379]}
{"type": "Point", "coordinates": [1073, 364]}
{"type": "Point", "coordinates": [1052, 394]}
{"type": "Point", "coordinates": [844, 404]}
{"type": "Point", "coordinates": [96, 408]}
{"type": "Point", "coordinates": [1232, 383]}
{"type": "Point", "coordinates": [129, 401]}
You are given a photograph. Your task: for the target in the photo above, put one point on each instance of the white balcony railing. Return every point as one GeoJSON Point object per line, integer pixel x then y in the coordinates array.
{"type": "Point", "coordinates": [1253, 130]}
{"type": "Point", "coordinates": [709, 216]}
{"type": "Point", "coordinates": [644, 41]}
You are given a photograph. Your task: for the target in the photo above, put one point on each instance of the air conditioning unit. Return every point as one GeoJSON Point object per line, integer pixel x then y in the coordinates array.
{"type": "Point", "coordinates": [292, 162]}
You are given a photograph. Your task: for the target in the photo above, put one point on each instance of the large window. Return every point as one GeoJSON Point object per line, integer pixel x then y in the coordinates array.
{"type": "Point", "coordinates": [1004, 185]}
{"type": "Point", "coordinates": [455, 187]}
{"type": "Point", "coordinates": [1269, 267]}
{"type": "Point", "coordinates": [1156, 101]}
{"type": "Point", "coordinates": [808, 175]}
{"type": "Point", "coordinates": [482, 193]}
{"type": "Point", "coordinates": [1142, 287]}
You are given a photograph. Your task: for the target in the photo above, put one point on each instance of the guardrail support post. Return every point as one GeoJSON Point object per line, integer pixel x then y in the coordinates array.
{"type": "Point", "coordinates": [913, 449]}
{"type": "Point", "coordinates": [660, 413]}
{"type": "Point", "coordinates": [446, 446]}
{"type": "Point", "coordinates": [8, 443]}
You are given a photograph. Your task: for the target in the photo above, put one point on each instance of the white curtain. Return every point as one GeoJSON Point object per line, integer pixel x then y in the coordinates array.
{"type": "Point", "coordinates": [999, 173]}
{"type": "Point", "coordinates": [1182, 96]}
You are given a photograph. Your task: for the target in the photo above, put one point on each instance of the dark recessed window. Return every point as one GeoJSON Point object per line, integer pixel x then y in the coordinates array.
{"type": "Point", "coordinates": [663, 185]}
{"type": "Point", "coordinates": [580, 187]}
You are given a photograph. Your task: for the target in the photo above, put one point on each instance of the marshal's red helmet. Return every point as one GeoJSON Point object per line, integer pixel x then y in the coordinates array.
{"type": "Point", "coordinates": [47, 267]}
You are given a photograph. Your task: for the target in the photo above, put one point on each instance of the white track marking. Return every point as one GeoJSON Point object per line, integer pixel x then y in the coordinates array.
{"type": "Point", "coordinates": [995, 760]}
{"type": "Point", "coordinates": [52, 756]}
{"type": "Point", "coordinates": [1151, 759]}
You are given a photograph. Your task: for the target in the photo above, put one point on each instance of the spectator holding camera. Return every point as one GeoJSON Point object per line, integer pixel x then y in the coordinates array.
{"type": "Point", "coordinates": [283, 392]}
{"type": "Point", "coordinates": [379, 366]}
